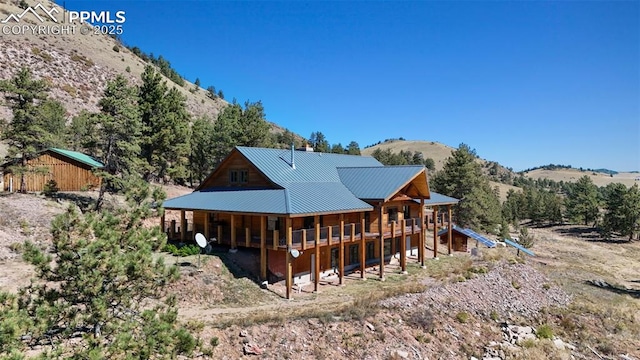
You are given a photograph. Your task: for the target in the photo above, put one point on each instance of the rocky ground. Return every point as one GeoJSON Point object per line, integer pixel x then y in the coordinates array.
{"type": "Point", "coordinates": [495, 306]}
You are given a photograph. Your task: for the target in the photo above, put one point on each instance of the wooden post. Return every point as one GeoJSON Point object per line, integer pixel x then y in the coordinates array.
{"type": "Point", "coordinates": [263, 247]}
{"type": "Point", "coordinates": [393, 238]}
{"type": "Point", "coordinates": [435, 232]}
{"type": "Point", "coordinates": [341, 251]}
{"type": "Point", "coordinates": [316, 270]}
{"type": "Point", "coordinates": [206, 226]}
{"type": "Point", "coordinates": [233, 232]}
{"type": "Point", "coordinates": [353, 232]}
{"type": "Point", "coordinates": [304, 239]}
{"type": "Point", "coordinates": [162, 222]}
{"type": "Point", "coordinates": [183, 228]}
{"type": "Point", "coordinates": [363, 246]}
{"type": "Point", "coordinates": [381, 232]}
{"type": "Point", "coordinates": [289, 268]}
{"type": "Point", "coordinates": [172, 230]}
{"type": "Point", "coordinates": [276, 239]}
{"type": "Point", "coordinates": [423, 234]}
{"type": "Point", "coordinates": [449, 230]}
{"type": "Point", "coordinates": [247, 237]}
{"type": "Point", "coordinates": [329, 235]}
{"type": "Point", "coordinates": [403, 246]}
{"type": "Point", "coordinates": [219, 234]}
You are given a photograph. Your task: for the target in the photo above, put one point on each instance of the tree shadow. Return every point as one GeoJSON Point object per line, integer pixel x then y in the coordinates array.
{"type": "Point", "coordinates": [618, 289]}
{"type": "Point", "coordinates": [245, 263]}
{"type": "Point", "coordinates": [84, 202]}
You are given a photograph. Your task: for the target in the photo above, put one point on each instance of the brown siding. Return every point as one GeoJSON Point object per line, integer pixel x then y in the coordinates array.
{"type": "Point", "coordinates": [220, 177]}
{"type": "Point", "coordinates": [69, 174]}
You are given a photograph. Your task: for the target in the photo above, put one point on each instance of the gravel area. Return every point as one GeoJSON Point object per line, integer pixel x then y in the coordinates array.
{"type": "Point", "coordinates": [510, 290]}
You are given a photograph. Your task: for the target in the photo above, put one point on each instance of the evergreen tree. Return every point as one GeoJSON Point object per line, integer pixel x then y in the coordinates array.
{"type": "Point", "coordinates": [203, 145]}
{"type": "Point", "coordinates": [238, 126]}
{"type": "Point", "coordinates": [462, 178]}
{"type": "Point", "coordinates": [319, 142]}
{"type": "Point", "coordinates": [337, 148]}
{"type": "Point", "coordinates": [165, 144]}
{"type": "Point", "coordinates": [582, 201]}
{"type": "Point", "coordinates": [31, 130]}
{"type": "Point", "coordinates": [622, 207]}
{"type": "Point", "coordinates": [120, 136]}
{"type": "Point", "coordinates": [99, 285]}
{"type": "Point", "coordinates": [353, 148]}
{"type": "Point", "coordinates": [82, 133]}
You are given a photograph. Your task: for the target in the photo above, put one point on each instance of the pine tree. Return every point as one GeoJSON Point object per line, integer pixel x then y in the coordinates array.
{"type": "Point", "coordinates": [37, 122]}
{"type": "Point", "coordinates": [337, 149]}
{"type": "Point", "coordinates": [582, 201]}
{"type": "Point", "coordinates": [353, 148]}
{"type": "Point", "coordinates": [99, 285]}
{"type": "Point", "coordinates": [120, 136]}
{"type": "Point", "coordinates": [462, 178]}
{"type": "Point", "coordinates": [202, 147]}
{"type": "Point", "coordinates": [622, 207]}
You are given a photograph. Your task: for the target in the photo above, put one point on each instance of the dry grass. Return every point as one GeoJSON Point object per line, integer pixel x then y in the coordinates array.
{"type": "Point", "coordinates": [572, 175]}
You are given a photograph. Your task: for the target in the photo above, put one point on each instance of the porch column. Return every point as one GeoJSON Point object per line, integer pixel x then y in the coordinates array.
{"type": "Point", "coordinates": [435, 232]}
{"type": "Point", "coordinates": [316, 265]}
{"type": "Point", "coordinates": [263, 247]}
{"type": "Point", "coordinates": [363, 250]}
{"type": "Point", "coordinates": [449, 230]}
{"type": "Point", "coordinates": [247, 237]}
{"type": "Point", "coordinates": [403, 246]}
{"type": "Point", "coordinates": [162, 221]}
{"type": "Point", "coordinates": [206, 226]}
{"type": "Point", "coordinates": [183, 228]}
{"type": "Point", "coordinates": [423, 236]}
{"type": "Point", "coordinates": [233, 232]}
{"type": "Point", "coordinates": [393, 238]}
{"type": "Point", "coordinates": [381, 232]}
{"type": "Point", "coordinates": [341, 252]}
{"type": "Point", "coordinates": [289, 269]}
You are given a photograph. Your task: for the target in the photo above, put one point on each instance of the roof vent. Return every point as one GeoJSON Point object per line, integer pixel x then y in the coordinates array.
{"type": "Point", "coordinates": [293, 156]}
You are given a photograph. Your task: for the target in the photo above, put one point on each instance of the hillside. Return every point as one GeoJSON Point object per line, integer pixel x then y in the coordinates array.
{"type": "Point", "coordinates": [77, 66]}
{"type": "Point", "coordinates": [572, 175]}
{"type": "Point", "coordinates": [440, 152]}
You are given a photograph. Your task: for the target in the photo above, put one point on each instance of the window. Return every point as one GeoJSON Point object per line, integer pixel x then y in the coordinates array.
{"type": "Point", "coordinates": [308, 222]}
{"type": "Point", "coordinates": [407, 212]}
{"type": "Point", "coordinates": [238, 176]}
{"type": "Point", "coordinates": [335, 257]}
{"type": "Point", "coordinates": [393, 214]}
{"type": "Point", "coordinates": [354, 254]}
{"type": "Point", "coordinates": [387, 247]}
{"type": "Point", "coordinates": [371, 250]}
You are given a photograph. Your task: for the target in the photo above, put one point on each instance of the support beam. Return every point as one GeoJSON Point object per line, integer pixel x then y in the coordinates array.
{"type": "Point", "coordinates": [289, 265]}
{"type": "Point", "coordinates": [403, 246]}
{"type": "Point", "coordinates": [247, 237]}
{"type": "Point", "coordinates": [233, 232]}
{"type": "Point", "coordinates": [219, 234]}
{"type": "Point", "coordinates": [162, 222]}
{"type": "Point", "coordinates": [206, 226]}
{"type": "Point", "coordinates": [435, 232]}
{"type": "Point", "coordinates": [316, 270]}
{"type": "Point", "coordinates": [449, 230]}
{"type": "Point", "coordinates": [363, 248]}
{"type": "Point", "coordinates": [341, 250]}
{"type": "Point", "coordinates": [304, 239]}
{"type": "Point", "coordinates": [276, 239]}
{"type": "Point", "coordinates": [183, 228]}
{"type": "Point", "coordinates": [423, 237]}
{"type": "Point", "coordinates": [393, 238]}
{"type": "Point", "coordinates": [263, 247]}
{"type": "Point", "coordinates": [381, 232]}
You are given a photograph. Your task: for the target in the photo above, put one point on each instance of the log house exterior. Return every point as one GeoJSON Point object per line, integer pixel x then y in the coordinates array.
{"type": "Point", "coordinates": [342, 213]}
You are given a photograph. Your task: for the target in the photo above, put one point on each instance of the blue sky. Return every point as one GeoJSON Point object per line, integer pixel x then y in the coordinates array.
{"type": "Point", "coordinates": [524, 83]}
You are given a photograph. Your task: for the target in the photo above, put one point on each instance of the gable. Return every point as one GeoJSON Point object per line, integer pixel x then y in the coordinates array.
{"type": "Point", "coordinates": [384, 183]}
{"type": "Point", "coordinates": [236, 162]}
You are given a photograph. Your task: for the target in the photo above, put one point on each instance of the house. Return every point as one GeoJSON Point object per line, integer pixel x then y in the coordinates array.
{"type": "Point", "coordinates": [72, 171]}
{"type": "Point", "coordinates": [309, 213]}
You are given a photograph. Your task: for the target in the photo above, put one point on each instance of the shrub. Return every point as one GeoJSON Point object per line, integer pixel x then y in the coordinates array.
{"type": "Point", "coordinates": [116, 48]}
{"type": "Point", "coordinates": [214, 341]}
{"type": "Point", "coordinates": [462, 317]}
{"type": "Point", "coordinates": [544, 332]}
{"type": "Point", "coordinates": [50, 188]}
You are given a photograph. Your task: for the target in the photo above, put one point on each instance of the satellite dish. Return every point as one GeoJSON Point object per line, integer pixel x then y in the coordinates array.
{"type": "Point", "coordinates": [201, 240]}
{"type": "Point", "coordinates": [294, 253]}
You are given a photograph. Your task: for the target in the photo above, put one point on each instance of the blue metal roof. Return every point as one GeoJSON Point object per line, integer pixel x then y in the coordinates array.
{"type": "Point", "coordinates": [439, 199]}
{"type": "Point", "coordinates": [470, 233]}
{"type": "Point", "coordinates": [265, 201]}
{"type": "Point", "coordinates": [377, 183]}
{"type": "Point", "coordinates": [312, 167]}
{"type": "Point", "coordinates": [323, 197]}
